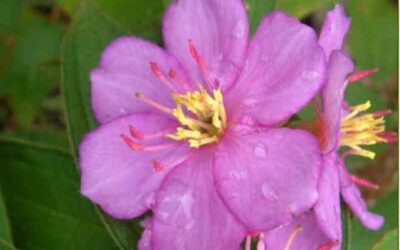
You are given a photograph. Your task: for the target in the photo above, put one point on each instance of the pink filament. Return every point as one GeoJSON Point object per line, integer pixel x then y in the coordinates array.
{"type": "Point", "coordinates": [200, 62]}
{"type": "Point", "coordinates": [160, 75]}
{"type": "Point", "coordinates": [328, 245]}
{"type": "Point", "coordinates": [360, 75]}
{"type": "Point", "coordinates": [364, 183]}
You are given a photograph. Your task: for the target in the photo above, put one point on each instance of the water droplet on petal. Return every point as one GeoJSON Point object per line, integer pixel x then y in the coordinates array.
{"type": "Point", "coordinates": [260, 151]}
{"type": "Point", "coordinates": [309, 75]}
{"type": "Point", "coordinates": [187, 201]}
{"type": "Point", "coordinates": [251, 102]}
{"type": "Point", "coordinates": [268, 192]}
{"type": "Point", "coordinates": [239, 29]}
{"type": "Point", "coordinates": [220, 56]}
{"type": "Point", "coordinates": [292, 208]}
{"type": "Point", "coordinates": [266, 57]}
{"type": "Point", "coordinates": [149, 201]}
{"type": "Point", "coordinates": [238, 175]}
{"type": "Point", "coordinates": [247, 120]}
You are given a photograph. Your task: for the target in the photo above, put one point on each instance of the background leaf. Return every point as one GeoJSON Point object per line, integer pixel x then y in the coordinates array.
{"type": "Point", "coordinates": [5, 230]}
{"type": "Point", "coordinates": [41, 193]}
{"type": "Point", "coordinates": [388, 241]}
{"type": "Point", "coordinates": [256, 10]}
{"type": "Point", "coordinates": [363, 238]}
{"type": "Point", "coordinates": [83, 45]}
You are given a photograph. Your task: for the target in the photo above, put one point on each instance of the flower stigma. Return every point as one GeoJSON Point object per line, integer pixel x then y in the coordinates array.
{"type": "Point", "coordinates": [358, 129]}
{"type": "Point", "coordinates": [207, 121]}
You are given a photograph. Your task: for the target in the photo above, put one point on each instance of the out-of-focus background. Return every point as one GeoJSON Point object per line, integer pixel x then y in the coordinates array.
{"type": "Point", "coordinates": [47, 48]}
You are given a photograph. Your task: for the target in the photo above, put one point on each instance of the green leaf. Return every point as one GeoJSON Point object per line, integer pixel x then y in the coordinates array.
{"type": "Point", "coordinates": [346, 226]}
{"type": "Point", "coordinates": [256, 10]}
{"type": "Point", "coordinates": [51, 138]}
{"type": "Point", "coordinates": [303, 8]}
{"type": "Point", "coordinates": [388, 241]}
{"type": "Point", "coordinates": [141, 17]}
{"type": "Point", "coordinates": [41, 192]}
{"type": "Point", "coordinates": [5, 230]}
{"type": "Point", "coordinates": [33, 68]}
{"type": "Point", "coordinates": [10, 13]}
{"type": "Point", "coordinates": [363, 238]}
{"type": "Point", "coordinates": [83, 45]}
{"type": "Point", "coordinates": [373, 40]}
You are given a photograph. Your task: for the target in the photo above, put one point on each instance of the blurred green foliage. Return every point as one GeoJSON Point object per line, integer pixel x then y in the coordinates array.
{"type": "Point", "coordinates": [48, 47]}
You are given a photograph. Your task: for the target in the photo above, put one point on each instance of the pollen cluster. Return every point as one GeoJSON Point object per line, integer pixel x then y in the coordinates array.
{"type": "Point", "coordinates": [202, 117]}
{"type": "Point", "coordinates": [362, 129]}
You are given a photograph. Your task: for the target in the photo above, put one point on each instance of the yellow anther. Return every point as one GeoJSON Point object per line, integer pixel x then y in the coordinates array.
{"type": "Point", "coordinates": [361, 129]}
{"type": "Point", "coordinates": [208, 122]}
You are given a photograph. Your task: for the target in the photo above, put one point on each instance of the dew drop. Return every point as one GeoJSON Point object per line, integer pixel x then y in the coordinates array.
{"type": "Point", "coordinates": [292, 208]}
{"type": "Point", "coordinates": [149, 200]}
{"type": "Point", "coordinates": [238, 175]}
{"type": "Point", "coordinates": [251, 102]}
{"type": "Point", "coordinates": [260, 151]}
{"type": "Point", "coordinates": [309, 75]}
{"type": "Point", "coordinates": [247, 120]}
{"type": "Point", "coordinates": [268, 192]}
{"type": "Point", "coordinates": [187, 201]}
{"type": "Point", "coordinates": [239, 29]}
{"type": "Point", "coordinates": [220, 56]}
{"type": "Point", "coordinates": [266, 57]}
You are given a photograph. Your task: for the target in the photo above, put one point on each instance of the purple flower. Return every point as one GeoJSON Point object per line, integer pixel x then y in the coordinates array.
{"type": "Point", "coordinates": [199, 145]}
{"type": "Point", "coordinates": [338, 126]}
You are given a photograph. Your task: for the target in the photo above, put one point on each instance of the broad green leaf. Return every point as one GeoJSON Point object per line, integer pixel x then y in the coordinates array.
{"type": "Point", "coordinates": [141, 17]}
{"type": "Point", "coordinates": [10, 13]}
{"type": "Point", "coordinates": [346, 228]}
{"type": "Point", "coordinates": [388, 241]}
{"type": "Point", "coordinates": [51, 138]}
{"type": "Point", "coordinates": [41, 192]}
{"type": "Point", "coordinates": [373, 40]}
{"type": "Point", "coordinates": [33, 68]}
{"type": "Point", "coordinates": [256, 10]}
{"type": "Point", "coordinates": [303, 8]}
{"type": "Point", "coordinates": [5, 230]}
{"type": "Point", "coordinates": [83, 45]}
{"type": "Point", "coordinates": [363, 238]}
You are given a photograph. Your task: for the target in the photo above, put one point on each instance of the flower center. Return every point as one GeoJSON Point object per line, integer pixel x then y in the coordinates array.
{"type": "Point", "coordinates": [363, 129]}
{"type": "Point", "coordinates": [206, 120]}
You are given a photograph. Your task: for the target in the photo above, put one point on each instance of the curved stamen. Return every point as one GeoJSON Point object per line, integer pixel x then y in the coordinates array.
{"type": "Point", "coordinates": [201, 63]}
{"type": "Point", "coordinates": [358, 129]}
{"type": "Point", "coordinates": [361, 182]}
{"type": "Point", "coordinates": [172, 73]}
{"type": "Point", "coordinates": [160, 75]}
{"type": "Point", "coordinates": [360, 75]}
{"type": "Point", "coordinates": [261, 242]}
{"type": "Point", "coordinates": [329, 245]}
{"type": "Point", "coordinates": [136, 133]}
{"type": "Point", "coordinates": [292, 236]}
{"type": "Point", "coordinates": [152, 103]}
{"type": "Point", "coordinates": [248, 243]}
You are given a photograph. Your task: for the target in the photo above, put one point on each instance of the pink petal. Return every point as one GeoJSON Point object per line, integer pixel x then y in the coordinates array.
{"type": "Point", "coordinates": [334, 30]}
{"type": "Point", "coordinates": [284, 69]}
{"type": "Point", "coordinates": [309, 238]}
{"type": "Point", "coordinates": [145, 240]}
{"type": "Point", "coordinates": [332, 95]}
{"type": "Point", "coordinates": [265, 178]}
{"type": "Point", "coordinates": [327, 209]}
{"type": "Point", "coordinates": [124, 70]}
{"type": "Point", "coordinates": [120, 180]}
{"type": "Point", "coordinates": [218, 29]}
{"type": "Point", "coordinates": [189, 214]}
{"type": "Point", "coordinates": [352, 196]}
